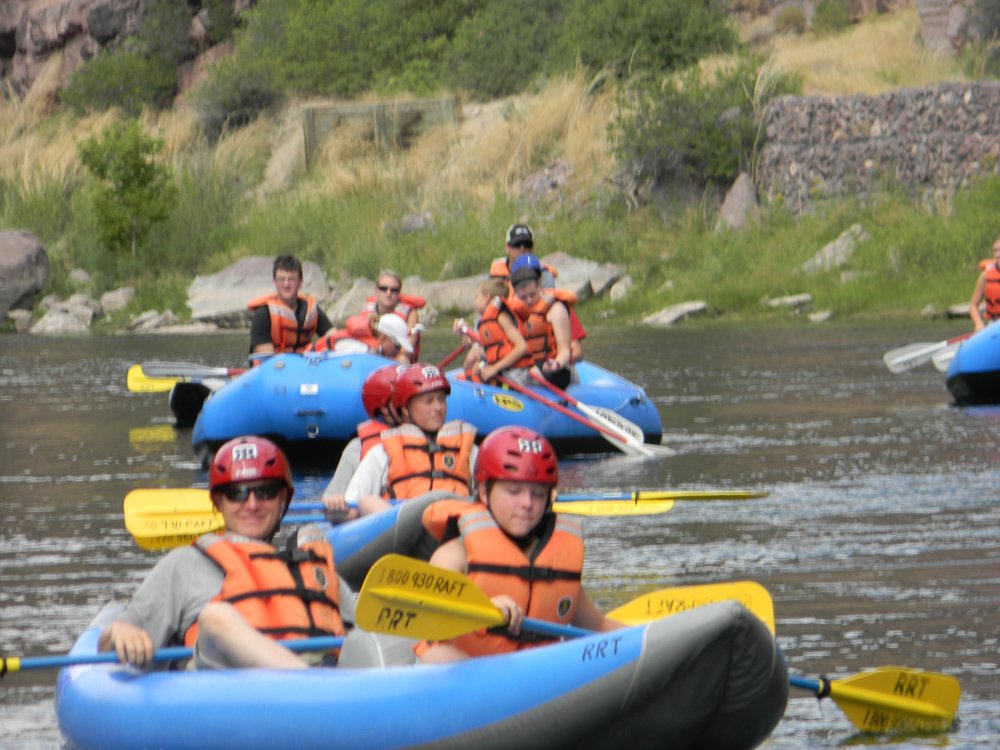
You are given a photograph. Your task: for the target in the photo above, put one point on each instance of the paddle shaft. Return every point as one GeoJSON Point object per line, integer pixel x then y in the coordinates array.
{"type": "Point", "coordinates": [615, 438]}
{"type": "Point", "coordinates": [451, 357]}
{"type": "Point", "coordinates": [174, 653]}
{"type": "Point", "coordinates": [907, 357]}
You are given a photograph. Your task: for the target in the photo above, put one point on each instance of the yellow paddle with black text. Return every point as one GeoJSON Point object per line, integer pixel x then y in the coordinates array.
{"type": "Point", "coordinates": [406, 597]}
{"type": "Point", "coordinates": [165, 518]}
{"type": "Point", "coordinates": [139, 382]}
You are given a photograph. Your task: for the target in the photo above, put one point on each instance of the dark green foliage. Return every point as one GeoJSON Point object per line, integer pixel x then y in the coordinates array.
{"type": "Point", "coordinates": [221, 21]}
{"type": "Point", "coordinates": [689, 126]}
{"type": "Point", "coordinates": [140, 71]}
{"type": "Point", "coordinates": [502, 48]}
{"type": "Point", "coordinates": [641, 35]}
{"type": "Point", "coordinates": [234, 95]}
{"type": "Point", "coordinates": [135, 191]}
{"type": "Point", "coordinates": [831, 16]}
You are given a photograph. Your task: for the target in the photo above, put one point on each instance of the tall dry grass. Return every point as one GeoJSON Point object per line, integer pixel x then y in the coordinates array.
{"type": "Point", "coordinates": [884, 52]}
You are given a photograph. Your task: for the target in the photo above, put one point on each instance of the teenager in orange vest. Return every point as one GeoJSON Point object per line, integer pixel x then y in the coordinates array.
{"type": "Point", "coordinates": [528, 559]}
{"type": "Point", "coordinates": [988, 289]}
{"type": "Point", "coordinates": [423, 454]}
{"type": "Point", "coordinates": [221, 593]}
{"type": "Point", "coordinates": [285, 321]}
{"type": "Point", "coordinates": [388, 298]}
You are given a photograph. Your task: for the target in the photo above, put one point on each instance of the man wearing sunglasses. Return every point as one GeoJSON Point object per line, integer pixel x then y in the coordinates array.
{"type": "Point", "coordinates": [224, 592]}
{"type": "Point", "coordinates": [521, 241]}
{"type": "Point", "coordinates": [285, 321]}
{"type": "Point", "coordinates": [388, 298]}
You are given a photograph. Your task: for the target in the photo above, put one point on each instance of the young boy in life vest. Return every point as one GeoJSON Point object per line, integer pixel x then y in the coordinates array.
{"type": "Point", "coordinates": [987, 288]}
{"type": "Point", "coordinates": [512, 530]}
{"type": "Point", "coordinates": [543, 319]}
{"type": "Point", "coordinates": [285, 321]}
{"type": "Point", "coordinates": [218, 594]}
{"type": "Point", "coordinates": [423, 454]}
{"type": "Point", "coordinates": [376, 397]}
{"type": "Point", "coordinates": [501, 345]}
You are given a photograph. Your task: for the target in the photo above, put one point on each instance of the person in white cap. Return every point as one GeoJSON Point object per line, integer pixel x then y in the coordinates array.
{"type": "Point", "coordinates": [393, 338]}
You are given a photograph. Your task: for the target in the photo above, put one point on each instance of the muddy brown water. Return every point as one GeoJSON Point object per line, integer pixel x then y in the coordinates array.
{"type": "Point", "coordinates": [878, 541]}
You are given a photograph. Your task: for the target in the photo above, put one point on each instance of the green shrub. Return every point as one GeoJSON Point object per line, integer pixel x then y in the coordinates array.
{"type": "Point", "coordinates": [790, 20]}
{"type": "Point", "coordinates": [236, 92]}
{"type": "Point", "coordinates": [135, 191]}
{"type": "Point", "coordinates": [501, 49]}
{"type": "Point", "coordinates": [831, 16]}
{"type": "Point", "coordinates": [141, 71]}
{"type": "Point", "coordinates": [637, 34]}
{"type": "Point", "coordinates": [692, 127]}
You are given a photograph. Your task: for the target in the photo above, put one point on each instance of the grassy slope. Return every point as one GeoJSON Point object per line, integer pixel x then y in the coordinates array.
{"type": "Point", "coordinates": [249, 195]}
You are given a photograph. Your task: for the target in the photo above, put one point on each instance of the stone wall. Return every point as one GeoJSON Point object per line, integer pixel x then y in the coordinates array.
{"type": "Point", "coordinates": [931, 142]}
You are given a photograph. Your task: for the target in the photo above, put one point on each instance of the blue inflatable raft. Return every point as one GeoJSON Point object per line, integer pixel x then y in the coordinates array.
{"type": "Point", "coordinates": [974, 373]}
{"type": "Point", "coordinates": [712, 677]}
{"type": "Point", "coordinates": [312, 404]}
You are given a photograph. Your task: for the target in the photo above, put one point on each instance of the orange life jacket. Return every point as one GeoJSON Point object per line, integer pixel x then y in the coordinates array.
{"type": "Point", "coordinates": [494, 341]}
{"type": "Point", "coordinates": [533, 324]}
{"type": "Point", "coordinates": [286, 333]}
{"type": "Point", "coordinates": [417, 465]}
{"type": "Point", "coordinates": [292, 593]}
{"type": "Point", "coordinates": [359, 326]}
{"type": "Point", "coordinates": [328, 342]}
{"type": "Point", "coordinates": [545, 586]}
{"type": "Point", "coordinates": [991, 292]}
{"type": "Point", "coordinates": [370, 432]}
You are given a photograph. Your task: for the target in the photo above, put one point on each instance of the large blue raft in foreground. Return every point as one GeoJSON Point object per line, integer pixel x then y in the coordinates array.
{"type": "Point", "coordinates": [712, 677]}
{"type": "Point", "coordinates": [974, 372]}
{"type": "Point", "coordinates": [312, 402]}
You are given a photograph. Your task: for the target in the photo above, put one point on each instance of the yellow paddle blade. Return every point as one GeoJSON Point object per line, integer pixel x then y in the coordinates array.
{"type": "Point", "coordinates": [138, 382]}
{"type": "Point", "coordinates": [613, 507]}
{"type": "Point", "coordinates": [897, 699]}
{"type": "Point", "coordinates": [410, 598]}
{"type": "Point", "coordinates": [666, 602]}
{"type": "Point", "coordinates": [156, 433]}
{"type": "Point", "coordinates": [645, 496]}
{"type": "Point", "coordinates": [165, 518]}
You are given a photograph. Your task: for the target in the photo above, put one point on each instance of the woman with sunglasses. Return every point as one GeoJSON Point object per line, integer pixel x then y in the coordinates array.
{"type": "Point", "coordinates": [388, 298]}
{"type": "Point", "coordinates": [218, 595]}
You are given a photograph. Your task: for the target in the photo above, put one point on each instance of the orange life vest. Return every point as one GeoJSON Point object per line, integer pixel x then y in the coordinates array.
{"type": "Point", "coordinates": [328, 342]}
{"type": "Point", "coordinates": [494, 341]}
{"type": "Point", "coordinates": [292, 593]}
{"type": "Point", "coordinates": [545, 586]}
{"type": "Point", "coordinates": [370, 432]}
{"type": "Point", "coordinates": [533, 324]}
{"type": "Point", "coordinates": [418, 465]}
{"type": "Point", "coordinates": [359, 326]}
{"type": "Point", "coordinates": [286, 333]}
{"type": "Point", "coordinates": [991, 292]}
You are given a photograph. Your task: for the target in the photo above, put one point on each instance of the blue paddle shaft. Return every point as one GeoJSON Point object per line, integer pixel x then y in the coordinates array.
{"type": "Point", "coordinates": [174, 653]}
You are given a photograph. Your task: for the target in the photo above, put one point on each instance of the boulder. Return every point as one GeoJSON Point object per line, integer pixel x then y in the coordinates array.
{"type": "Point", "coordinates": [152, 320]}
{"type": "Point", "coordinates": [22, 320]}
{"type": "Point", "coordinates": [65, 318]}
{"type": "Point", "coordinates": [794, 301]}
{"type": "Point", "coordinates": [676, 313]}
{"type": "Point", "coordinates": [24, 268]}
{"type": "Point", "coordinates": [740, 205]}
{"type": "Point", "coordinates": [117, 299]}
{"type": "Point", "coordinates": [835, 254]}
{"type": "Point", "coordinates": [583, 277]}
{"type": "Point", "coordinates": [79, 278]}
{"type": "Point", "coordinates": [222, 297]}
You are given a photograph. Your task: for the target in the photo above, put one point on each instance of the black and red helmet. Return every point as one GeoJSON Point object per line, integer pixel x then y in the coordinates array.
{"type": "Point", "coordinates": [376, 391]}
{"type": "Point", "coordinates": [416, 379]}
{"type": "Point", "coordinates": [248, 459]}
{"type": "Point", "coordinates": [517, 454]}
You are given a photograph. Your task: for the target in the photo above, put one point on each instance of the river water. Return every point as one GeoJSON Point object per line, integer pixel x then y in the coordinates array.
{"type": "Point", "coordinates": [878, 541]}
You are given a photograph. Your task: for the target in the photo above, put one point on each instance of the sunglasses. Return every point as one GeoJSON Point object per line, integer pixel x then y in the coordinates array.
{"type": "Point", "coordinates": [240, 493]}
{"type": "Point", "coordinates": [523, 243]}
{"type": "Point", "coordinates": [392, 289]}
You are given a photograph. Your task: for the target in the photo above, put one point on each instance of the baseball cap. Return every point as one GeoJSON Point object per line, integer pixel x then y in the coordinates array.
{"type": "Point", "coordinates": [519, 233]}
{"type": "Point", "coordinates": [394, 328]}
{"type": "Point", "coordinates": [525, 268]}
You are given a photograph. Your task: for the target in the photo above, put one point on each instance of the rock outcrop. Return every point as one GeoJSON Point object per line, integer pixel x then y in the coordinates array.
{"type": "Point", "coordinates": [24, 268]}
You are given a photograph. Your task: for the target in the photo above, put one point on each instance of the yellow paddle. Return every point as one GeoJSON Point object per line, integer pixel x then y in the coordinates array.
{"type": "Point", "coordinates": [162, 518]}
{"type": "Point", "coordinates": [139, 382]}
{"type": "Point", "coordinates": [406, 597]}
{"type": "Point", "coordinates": [665, 602]}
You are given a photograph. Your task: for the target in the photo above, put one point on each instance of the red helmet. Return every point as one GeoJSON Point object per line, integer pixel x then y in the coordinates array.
{"type": "Point", "coordinates": [247, 459]}
{"type": "Point", "coordinates": [416, 379]}
{"type": "Point", "coordinates": [376, 391]}
{"type": "Point", "coordinates": [517, 454]}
